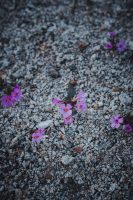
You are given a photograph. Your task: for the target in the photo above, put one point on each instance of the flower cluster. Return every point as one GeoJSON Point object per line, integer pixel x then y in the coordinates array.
{"type": "Point", "coordinates": [66, 111]}
{"type": "Point", "coordinates": [117, 120]}
{"type": "Point", "coordinates": [38, 135]}
{"type": "Point", "coordinates": [66, 108]}
{"type": "Point", "coordinates": [115, 44]}
{"type": "Point", "coordinates": [10, 100]}
{"type": "Point", "coordinates": [81, 102]}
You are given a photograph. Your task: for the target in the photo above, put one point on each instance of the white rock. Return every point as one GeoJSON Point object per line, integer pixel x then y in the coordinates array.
{"type": "Point", "coordinates": [66, 159]}
{"type": "Point", "coordinates": [44, 124]}
{"type": "Point", "coordinates": [113, 187]}
{"type": "Point", "coordinates": [125, 99]}
{"type": "Point", "coordinates": [131, 45]}
{"type": "Point", "coordinates": [96, 48]}
{"type": "Point", "coordinates": [14, 141]}
{"type": "Point", "coordinates": [93, 57]}
{"type": "Point", "coordinates": [100, 103]}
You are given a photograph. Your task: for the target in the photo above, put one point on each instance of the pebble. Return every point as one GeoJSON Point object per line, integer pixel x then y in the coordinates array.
{"type": "Point", "coordinates": [54, 73]}
{"type": "Point", "coordinates": [125, 99]}
{"type": "Point", "coordinates": [113, 187]}
{"type": "Point", "coordinates": [66, 160]}
{"type": "Point", "coordinates": [131, 45]}
{"type": "Point", "coordinates": [44, 124]}
{"type": "Point", "coordinates": [18, 194]}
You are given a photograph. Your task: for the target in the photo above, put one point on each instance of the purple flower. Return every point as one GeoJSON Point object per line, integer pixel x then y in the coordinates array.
{"type": "Point", "coordinates": [81, 96]}
{"type": "Point", "coordinates": [65, 110]}
{"type": "Point", "coordinates": [81, 106]}
{"type": "Point", "coordinates": [81, 102]}
{"type": "Point", "coordinates": [56, 101]}
{"type": "Point", "coordinates": [111, 34]}
{"type": "Point", "coordinates": [38, 135]}
{"type": "Point", "coordinates": [128, 128]}
{"type": "Point", "coordinates": [108, 45]}
{"type": "Point", "coordinates": [121, 46]}
{"type": "Point", "coordinates": [7, 101]}
{"type": "Point", "coordinates": [16, 93]}
{"type": "Point", "coordinates": [68, 119]}
{"type": "Point", "coordinates": [116, 121]}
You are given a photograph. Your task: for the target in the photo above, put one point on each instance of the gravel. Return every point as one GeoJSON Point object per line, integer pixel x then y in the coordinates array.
{"type": "Point", "coordinates": [40, 48]}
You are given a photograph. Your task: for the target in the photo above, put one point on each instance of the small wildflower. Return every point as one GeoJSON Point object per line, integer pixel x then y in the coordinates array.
{"type": "Point", "coordinates": [7, 101]}
{"type": "Point", "coordinates": [111, 34]}
{"type": "Point", "coordinates": [81, 102]}
{"type": "Point", "coordinates": [121, 46]}
{"type": "Point", "coordinates": [16, 93]}
{"type": "Point", "coordinates": [128, 128]}
{"type": "Point", "coordinates": [81, 106]}
{"type": "Point", "coordinates": [116, 121]}
{"type": "Point", "coordinates": [68, 119]}
{"type": "Point", "coordinates": [38, 135]}
{"type": "Point", "coordinates": [66, 107]}
{"type": "Point", "coordinates": [65, 110]}
{"type": "Point", "coordinates": [81, 95]}
{"type": "Point", "coordinates": [108, 45]}
{"type": "Point", "coordinates": [56, 101]}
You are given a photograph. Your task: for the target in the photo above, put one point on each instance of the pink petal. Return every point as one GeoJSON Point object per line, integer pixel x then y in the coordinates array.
{"type": "Point", "coordinates": [121, 120]}
{"type": "Point", "coordinates": [67, 114]}
{"type": "Point", "coordinates": [69, 106]}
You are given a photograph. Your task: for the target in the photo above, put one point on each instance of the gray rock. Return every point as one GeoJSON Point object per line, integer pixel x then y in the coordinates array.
{"type": "Point", "coordinates": [100, 103]}
{"type": "Point", "coordinates": [54, 73]}
{"type": "Point", "coordinates": [125, 99]}
{"type": "Point", "coordinates": [131, 45]}
{"type": "Point", "coordinates": [96, 48]}
{"type": "Point", "coordinates": [66, 159]}
{"type": "Point", "coordinates": [44, 124]}
{"type": "Point", "coordinates": [14, 141]}
{"type": "Point", "coordinates": [1, 188]}
{"type": "Point", "coordinates": [18, 194]}
{"type": "Point", "coordinates": [5, 63]}
{"type": "Point", "coordinates": [113, 187]}
{"type": "Point", "coordinates": [93, 57]}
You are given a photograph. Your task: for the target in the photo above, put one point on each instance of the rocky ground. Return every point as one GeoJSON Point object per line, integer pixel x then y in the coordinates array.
{"type": "Point", "coordinates": [44, 45]}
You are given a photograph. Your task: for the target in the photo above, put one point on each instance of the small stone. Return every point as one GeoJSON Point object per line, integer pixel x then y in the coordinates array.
{"type": "Point", "coordinates": [96, 48]}
{"type": "Point", "coordinates": [93, 57]}
{"type": "Point", "coordinates": [66, 159]}
{"type": "Point", "coordinates": [131, 45]}
{"type": "Point", "coordinates": [6, 63]}
{"type": "Point", "coordinates": [69, 57]}
{"type": "Point", "coordinates": [100, 103]}
{"type": "Point", "coordinates": [82, 46]}
{"type": "Point", "coordinates": [73, 67]}
{"type": "Point", "coordinates": [18, 194]}
{"type": "Point", "coordinates": [77, 149]}
{"type": "Point", "coordinates": [44, 124]}
{"type": "Point", "coordinates": [125, 99]}
{"type": "Point", "coordinates": [40, 63]}
{"type": "Point", "coordinates": [61, 136]}
{"type": "Point", "coordinates": [80, 181]}
{"type": "Point", "coordinates": [14, 141]}
{"type": "Point", "coordinates": [54, 73]}
{"type": "Point", "coordinates": [113, 187]}
{"type": "Point", "coordinates": [2, 74]}
{"type": "Point", "coordinates": [1, 188]}
{"type": "Point", "coordinates": [107, 24]}
{"type": "Point", "coordinates": [48, 175]}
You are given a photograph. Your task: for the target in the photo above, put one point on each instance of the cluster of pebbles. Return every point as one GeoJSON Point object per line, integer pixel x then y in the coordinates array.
{"type": "Point", "coordinates": [43, 46]}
